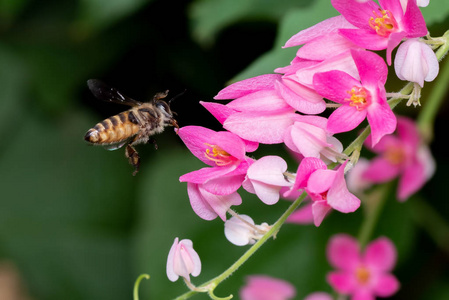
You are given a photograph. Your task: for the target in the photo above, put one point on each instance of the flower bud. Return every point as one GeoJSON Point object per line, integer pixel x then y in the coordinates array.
{"type": "Point", "coordinates": [241, 230]}
{"type": "Point", "coordinates": [182, 261]}
{"type": "Point", "coordinates": [415, 61]}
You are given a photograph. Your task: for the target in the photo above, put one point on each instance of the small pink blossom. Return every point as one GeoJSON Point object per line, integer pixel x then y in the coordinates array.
{"type": "Point", "coordinates": [265, 178]}
{"type": "Point", "coordinates": [326, 188]}
{"type": "Point", "coordinates": [381, 27]}
{"type": "Point", "coordinates": [415, 61]}
{"type": "Point", "coordinates": [260, 287]}
{"type": "Point", "coordinates": [318, 296]}
{"type": "Point", "coordinates": [183, 261]}
{"type": "Point", "coordinates": [360, 99]}
{"type": "Point", "coordinates": [363, 275]}
{"type": "Point", "coordinates": [225, 152]}
{"type": "Point", "coordinates": [403, 155]}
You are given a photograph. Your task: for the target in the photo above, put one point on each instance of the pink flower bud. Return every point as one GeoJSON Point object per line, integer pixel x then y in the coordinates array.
{"type": "Point", "coordinates": [416, 62]}
{"type": "Point", "coordinates": [242, 231]}
{"type": "Point", "coordinates": [182, 261]}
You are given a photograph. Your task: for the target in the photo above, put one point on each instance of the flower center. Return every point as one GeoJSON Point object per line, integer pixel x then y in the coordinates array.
{"type": "Point", "coordinates": [359, 97]}
{"type": "Point", "coordinates": [395, 155]}
{"type": "Point", "coordinates": [362, 274]}
{"type": "Point", "coordinates": [218, 155]}
{"type": "Point", "coordinates": [383, 22]}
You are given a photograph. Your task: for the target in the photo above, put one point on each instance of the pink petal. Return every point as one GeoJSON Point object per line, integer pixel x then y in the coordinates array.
{"type": "Point", "coordinates": [248, 86]}
{"type": "Point", "coordinates": [324, 47]}
{"type": "Point", "coordinates": [413, 21]}
{"type": "Point", "coordinates": [260, 101]}
{"type": "Point", "coordinates": [306, 139]}
{"type": "Point", "coordinates": [381, 119]}
{"type": "Point", "coordinates": [301, 98]}
{"type": "Point", "coordinates": [172, 276]}
{"type": "Point", "coordinates": [220, 203]}
{"type": "Point", "coordinates": [345, 118]}
{"type": "Point", "coordinates": [260, 287]}
{"type": "Point", "coordinates": [269, 169]}
{"type": "Point", "coordinates": [381, 170]}
{"type": "Point", "coordinates": [365, 38]}
{"type": "Point", "coordinates": [261, 128]}
{"type": "Point", "coordinates": [334, 85]}
{"type": "Point", "coordinates": [394, 40]}
{"type": "Point", "coordinates": [341, 62]}
{"type": "Point", "coordinates": [394, 6]}
{"type": "Point", "coordinates": [342, 282]}
{"type": "Point", "coordinates": [307, 166]}
{"type": "Point", "coordinates": [412, 180]}
{"type": "Point", "coordinates": [380, 255]}
{"type": "Point", "coordinates": [356, 12]}
{"type": "Point", "coordinates": [371, 67]}
{"type": "Point", "coordinates": [220, 111]}
{"type": "Point", "coordinates": [230, 143]}
{"type": "Point", "coordinates": [319, 296]}
{"type": "Point", "coordinates": [199, 204]}
{"type": "Point", "coordinates": [320, 181]}
{"type": "Point", "coordinates": [196, 138]}
{"type": "Point", "coordinates": [302, 215]}
{"type": "Point", "coordinates": [224, 185]}
{"type": "Point", "coordinates": [205, 174]}
{"type": "Point", "coordinates": [387, 285]}
{"type": "Point", "coordinates": [319, 211]}
{"type": "Point", "coordinates": [408, 132]}
{"type": "Point", "coordinates": [343, 252]}
{"type": "Point", "coordinates": [338, 196]}
{"type": "Point", "coordinates": [320, 29]}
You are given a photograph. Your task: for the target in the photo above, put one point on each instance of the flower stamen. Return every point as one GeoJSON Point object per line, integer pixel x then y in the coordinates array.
{"type": "Point", "coordinates": [218, 155]}
{"type": "Point", "coordinates": [383, 22]}
{"type": "Point", "coordinates": [363, 275]}
{"type": "Point", "coordinates": [359, 97]}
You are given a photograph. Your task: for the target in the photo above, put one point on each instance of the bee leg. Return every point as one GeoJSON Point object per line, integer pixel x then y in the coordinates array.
{"type": "Point", "coordinates": [152, 140]}
{"type": "Point", "coordinates": [133, 158]}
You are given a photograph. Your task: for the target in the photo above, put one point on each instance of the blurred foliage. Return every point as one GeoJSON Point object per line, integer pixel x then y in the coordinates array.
{"type": "Point", "coordinates": [75, 222]}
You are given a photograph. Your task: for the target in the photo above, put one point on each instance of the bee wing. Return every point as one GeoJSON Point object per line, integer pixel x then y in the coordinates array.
{"type": "Point", "coordinates": [118, 145]}
{"type": "Point", "coordinates": [109, 94]}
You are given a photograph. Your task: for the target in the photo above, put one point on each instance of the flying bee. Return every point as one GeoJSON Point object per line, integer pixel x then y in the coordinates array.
{"type": "Point", "coordinates": [134, 126]}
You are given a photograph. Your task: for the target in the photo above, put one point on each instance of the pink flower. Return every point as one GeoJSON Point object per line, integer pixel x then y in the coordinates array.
{"type": "Point", "coordinates": [415, 61]}
{"type": "Point", "coordinates": [265, 178]}
{"type": "Point", "coordinates": [309, 137]}
{"type": "Point", "coordinates": [225, 152]}
{"type": "Point", "coordinates": [212, 191]}
{"type": "Point", "coordinates": [326, 188]}
{"type": "Point", "coordinates": [363, 275]}
{"type": "Point", "coordinates": [360, 99]}
{"type": "Point", "coordinates": [381, 27]}
{"type": "Point", "coordinates": [318, 296]}
{"type": "Point", "coordinates": [402, 155]}
{"type": "Point", "coordinates": [182, 261]}
{"type": "Point", "coordinates": [208, 205]}
{"type": "Point", "coordinates": [260, 287]}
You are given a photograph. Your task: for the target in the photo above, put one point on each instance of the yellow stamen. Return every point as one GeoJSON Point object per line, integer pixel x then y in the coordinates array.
{"type": "Point", "coordinates": [362, 274]}
{"type": "Point", "coordinates": [383, 22]}
{"type": "Point", "coordinates": [359, 97]}
{"type": "Point", "coordinates": [395, 155]}
{"type": "Point", "coordinates": [218, 155]}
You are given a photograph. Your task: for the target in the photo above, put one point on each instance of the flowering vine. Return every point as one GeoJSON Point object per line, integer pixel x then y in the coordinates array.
{"type": "Point", "coordinates": [337, 69]}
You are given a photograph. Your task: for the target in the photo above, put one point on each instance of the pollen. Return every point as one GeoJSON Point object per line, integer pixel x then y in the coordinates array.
{"type": "Point", "coordinates": [363, 275]}
{"type": "Point", "coordinates": [383, 22]}
{"type": "Point", "coordinates": [218, 155]}
{"type": "Point", "coordinates": [358, 97]}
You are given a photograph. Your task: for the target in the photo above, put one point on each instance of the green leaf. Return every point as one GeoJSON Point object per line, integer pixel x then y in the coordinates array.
{"type": "Point", "coordinates": [98, 14]}
{"type": "Point", "coordinates": [208, 18]}
{"type": "Point", "coordinates": [293, 22]}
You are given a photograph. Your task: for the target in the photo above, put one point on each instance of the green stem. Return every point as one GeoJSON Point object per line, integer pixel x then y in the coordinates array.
{"type": "Point", "coordinates": [272, 232]}
{"type": "Point", "coordinates": [374, 208]}
{"type": "Point", "coordinates": [136, 285]}
{"type": "Point", "coordinates": [429, 219]}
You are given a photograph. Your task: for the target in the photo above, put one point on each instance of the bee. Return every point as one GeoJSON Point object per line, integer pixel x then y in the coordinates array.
{"type": "Point", "coordinates": [132, 127]}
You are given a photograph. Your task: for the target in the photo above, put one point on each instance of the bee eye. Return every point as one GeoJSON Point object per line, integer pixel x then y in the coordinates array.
{"type": "Point", "coordinates": [162, 105]}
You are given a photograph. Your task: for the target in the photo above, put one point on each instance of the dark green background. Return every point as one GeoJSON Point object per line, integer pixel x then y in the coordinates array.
{"type": "Point", "coordinates": [78, 225]}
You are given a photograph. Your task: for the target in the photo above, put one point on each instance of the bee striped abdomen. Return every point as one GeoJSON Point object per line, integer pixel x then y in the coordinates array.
{"type": "Point", "coordinates": [114, 129]}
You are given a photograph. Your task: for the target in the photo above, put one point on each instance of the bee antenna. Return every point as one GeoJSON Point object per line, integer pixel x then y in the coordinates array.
{"type": "Point", "coordinates": [180, 94]}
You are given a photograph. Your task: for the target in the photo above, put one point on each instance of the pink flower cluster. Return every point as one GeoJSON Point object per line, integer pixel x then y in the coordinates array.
{"type": "Point", "coordinates": [334, 63]}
